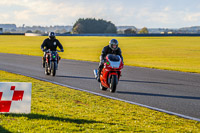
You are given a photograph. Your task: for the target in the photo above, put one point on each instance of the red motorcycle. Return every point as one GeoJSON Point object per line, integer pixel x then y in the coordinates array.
{"type": "Point", "coordinates": [111, 72]}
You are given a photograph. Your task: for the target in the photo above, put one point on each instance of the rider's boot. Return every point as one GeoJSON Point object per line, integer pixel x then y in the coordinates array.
{"type": "Point", "coordinates": [99, 71]}
{"type": "Point", "coordinates": [98, 75]}
{"type": "Point", "coordinates": [58, 60]}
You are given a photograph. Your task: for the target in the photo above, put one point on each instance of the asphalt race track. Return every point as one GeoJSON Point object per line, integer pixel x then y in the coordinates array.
{"type": "Point", "coordinates": [172, 91]}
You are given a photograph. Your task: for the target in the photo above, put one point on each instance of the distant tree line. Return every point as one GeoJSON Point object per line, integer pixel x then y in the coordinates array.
{"type": "Point", "coordinates": [144, 31]}
{"type": "Point", "coordinates": [82, 25]}
{"type": "Point", "coordinates": [134, 31]}
{"type": "Point", "coordinates": [130, 31]}
{"type": "Point", "coordinates": [89, 25]}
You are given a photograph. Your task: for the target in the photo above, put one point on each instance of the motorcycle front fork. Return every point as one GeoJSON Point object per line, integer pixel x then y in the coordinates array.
{"type": "Point", "coordinates": [50, 65]}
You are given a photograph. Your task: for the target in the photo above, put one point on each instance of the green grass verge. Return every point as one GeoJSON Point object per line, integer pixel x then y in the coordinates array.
{"type": "Point", "coordinates": [59, 109]}
{"type": "Point", "coordinates": [171, 53]}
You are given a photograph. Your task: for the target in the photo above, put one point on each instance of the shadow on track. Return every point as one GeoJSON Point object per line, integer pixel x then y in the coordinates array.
{"type": "Point", "coordinates": [76, 77]}
{"type": "Point", "coordinates": [158, 95]}
{"type": "Point", "coordinates": [149, 82]}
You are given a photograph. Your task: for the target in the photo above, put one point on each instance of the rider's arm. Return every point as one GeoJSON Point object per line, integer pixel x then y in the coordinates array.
{"type": "Point", "coordinates": [103, 54]}
{"type": "Point", "coordinates": [60, 46]}
{"type": "Point", "coordinates": [120, 54]}
{"type": "Point", "coordinates": [43, 44]}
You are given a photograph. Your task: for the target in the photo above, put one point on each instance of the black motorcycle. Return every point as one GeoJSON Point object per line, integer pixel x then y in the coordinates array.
{"type": "Point", "coordinates": [51, 62]}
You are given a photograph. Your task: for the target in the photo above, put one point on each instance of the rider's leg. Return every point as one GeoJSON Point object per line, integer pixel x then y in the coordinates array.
{"type": "Point", "coordinates": [43, 60]}
{"type": "Point", "coordinates": [59, 58]}
{"type": "Point", "coordinates": [99, 71]}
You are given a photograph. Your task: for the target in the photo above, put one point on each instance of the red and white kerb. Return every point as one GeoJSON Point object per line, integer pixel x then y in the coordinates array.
{"type": "Point", "coordinates": [15, 97]}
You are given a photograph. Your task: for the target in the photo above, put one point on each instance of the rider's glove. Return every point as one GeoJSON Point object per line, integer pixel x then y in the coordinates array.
{"type": "Point", "coordinates": [62, 50]}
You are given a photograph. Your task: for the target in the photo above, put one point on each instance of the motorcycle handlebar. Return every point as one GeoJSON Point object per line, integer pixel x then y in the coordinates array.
{"type": "Point", "coordinates": [51, 51]}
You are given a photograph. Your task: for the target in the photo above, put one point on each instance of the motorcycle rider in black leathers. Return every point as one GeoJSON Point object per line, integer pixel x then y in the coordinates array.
{"type": "Point", "coordinates": [112, 48]}
{"type": "Point", "coordinates": [50, 43]}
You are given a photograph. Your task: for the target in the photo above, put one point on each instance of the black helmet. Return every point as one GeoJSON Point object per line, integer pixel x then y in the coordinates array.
{"type": "Point", "coordinates": [113, 42]}
{"type": "Point", "coordinates": [52, 35]}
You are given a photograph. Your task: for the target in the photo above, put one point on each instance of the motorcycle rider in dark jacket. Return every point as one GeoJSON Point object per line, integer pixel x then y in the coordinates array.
{"type": "Point", "coordinates": [112, 48]}
{"type": "Point", "coordinates": [50, 43]}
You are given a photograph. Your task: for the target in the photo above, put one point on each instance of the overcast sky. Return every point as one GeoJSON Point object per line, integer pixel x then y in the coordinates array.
{"type": "Point", "coordinates": [139, 13]}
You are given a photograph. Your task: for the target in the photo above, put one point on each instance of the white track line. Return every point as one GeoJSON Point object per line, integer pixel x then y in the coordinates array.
{"type": "Point", "coordinates": [99, 94]}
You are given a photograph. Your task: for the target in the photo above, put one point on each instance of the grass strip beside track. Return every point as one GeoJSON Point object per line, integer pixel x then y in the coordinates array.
{"type": "Point", "coordinates": [171, 53]}
{"type": "Point", "coordinates": [60, 109]}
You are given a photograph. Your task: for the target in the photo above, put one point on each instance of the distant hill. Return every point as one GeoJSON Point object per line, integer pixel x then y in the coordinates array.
{"type": "Point", "coordinates": [190, 28]}
{"type": "Point", "coordinates": [193, 29]}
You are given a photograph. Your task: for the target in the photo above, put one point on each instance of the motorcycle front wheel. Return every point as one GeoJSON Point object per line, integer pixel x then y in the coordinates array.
{"type": "Point", "coordinates": [53, 68]}
{"type": "Point", "coordinates": [113, 84]}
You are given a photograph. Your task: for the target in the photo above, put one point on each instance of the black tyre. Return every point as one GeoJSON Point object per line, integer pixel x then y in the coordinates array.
{"type": "Point", "coordinates": [43, 62]}
{"type": "Point", "coordinates": [46, 69]}
{"type": "Point", "coordinates": [113, 84]}
{"type": "Point", "coordinates": [102, 87]}
{"type": "Point", "coordinates": [53, 68]}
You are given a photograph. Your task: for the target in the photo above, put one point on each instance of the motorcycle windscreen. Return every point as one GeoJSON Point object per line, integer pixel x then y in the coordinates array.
{"type": "Point", "coordinates": [114, 60]}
